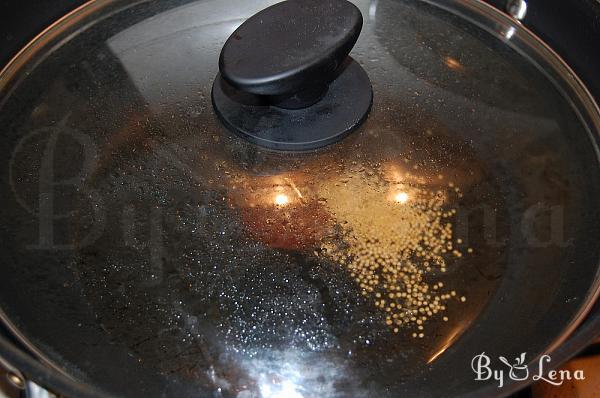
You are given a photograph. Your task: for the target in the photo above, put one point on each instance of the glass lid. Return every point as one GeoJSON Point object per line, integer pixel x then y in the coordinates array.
{"type": "Point", "coordinates": [189, 259]}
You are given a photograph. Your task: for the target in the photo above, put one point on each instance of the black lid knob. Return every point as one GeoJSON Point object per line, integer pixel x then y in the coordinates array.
{"type": "Point", "coordinates": [285, 66]}
{"type": "Point", "coordinates": [290, 46]}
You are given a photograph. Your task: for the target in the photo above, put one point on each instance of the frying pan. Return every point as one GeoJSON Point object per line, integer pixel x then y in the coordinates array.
{"type": "Point", "coordinates": [98, 323]}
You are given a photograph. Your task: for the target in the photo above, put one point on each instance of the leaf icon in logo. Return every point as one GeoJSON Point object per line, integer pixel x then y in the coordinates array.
{"type": "Point", "coordinates": [518, 371]}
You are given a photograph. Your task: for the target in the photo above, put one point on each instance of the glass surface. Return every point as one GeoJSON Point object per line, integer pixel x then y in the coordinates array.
{"type": "Point", "coordinates": [351, 270]}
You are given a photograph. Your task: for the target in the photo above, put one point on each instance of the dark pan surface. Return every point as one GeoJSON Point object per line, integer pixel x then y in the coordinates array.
{"type": "Point", "coordinates": [139, 246]}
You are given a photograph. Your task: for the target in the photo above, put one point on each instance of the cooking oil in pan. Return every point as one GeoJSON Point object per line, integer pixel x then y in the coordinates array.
{"type": "Point", "coordinates": [366, 268]}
